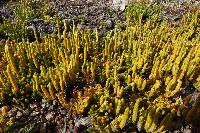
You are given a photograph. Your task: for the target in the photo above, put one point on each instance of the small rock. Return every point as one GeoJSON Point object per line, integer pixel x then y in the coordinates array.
{"type": "Point", "coordinates": [103, 32]}
{"type": "Point", "coordinates": [120, 4]}
{"type": "Point", "coordinates": [80, 26]}
{"type": "Point", "coordinates": [51, 108]}
{"type": "Point", "coordinates": [44, 101]}
{"type": "Point", "coordinates": [32, 106]}
{"type": "Point", "coordinates": [49, 116]}
{"type": "Point", "coordinates": [187, 130]}
{"type": "Point", "coordinates": [85, 121]}
{"type": "Point", "coordinates": [12, 112]}
{"type": "Point", "coordinates": [63, 112]}
{"type": "Point", "coordinates": [90, 1]}
{"type": "Point", "coordinates": [43, 105]}
{"type": "Point", "coordinates": [34, 113]}
{"type": "Point", "coordinates": [71, 126]}
{"type": "Point", "coordinates": [55, 103]}
{"type": "Point", "coordinates": [19, 114]}
{"type": "Point", "coordinates": [68, 21]}
{"type": "Point", "coordinates": [36, 20]}
{"type": "Point", "coordinates": [110, 24]}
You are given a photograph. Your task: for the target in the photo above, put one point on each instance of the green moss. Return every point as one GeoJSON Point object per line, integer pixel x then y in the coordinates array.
{"type": "Point", "coordinates": [141, 12]}
{"type": "Point", "coordinates": [81, 18]}
{"type": "Point", "coordinates": [103, 23]}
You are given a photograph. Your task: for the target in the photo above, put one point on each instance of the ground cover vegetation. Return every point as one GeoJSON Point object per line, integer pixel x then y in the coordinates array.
{"type": "Point", "coordinates": [24, 12]}
{"type": "Point", "coordinates": [145, 76]}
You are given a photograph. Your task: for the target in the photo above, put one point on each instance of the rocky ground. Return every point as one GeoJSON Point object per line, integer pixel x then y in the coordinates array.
{"type": "Point", "coordinates": [50, 117]}
{"type": "Point", "coordinates": [90, 14]}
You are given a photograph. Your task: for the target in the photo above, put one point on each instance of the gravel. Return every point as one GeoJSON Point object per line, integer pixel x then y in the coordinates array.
{"type": "Point", "coordinates": [90, 14]}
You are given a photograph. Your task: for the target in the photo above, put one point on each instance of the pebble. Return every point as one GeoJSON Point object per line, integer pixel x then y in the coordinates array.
{"type": "Point", "coordinates": [49, 116]}
{"type": "Point", "coordinates": [85, 121]}
{"type": "Point", "coordinates": [81, 26]}
{"type": "Point", "coordinates": [34, 113]}
{"type": "Point", "coordinates": [103, 32]}
{"type": "Point", "coordinates": [19, 114]}
{"type": "Point", "coordinates": [43, 105]}
{"type": "Point", "coordinates": [110, 24]}
{"type": "Point", "coordinates": [71, 127]}
{"type": "Point", "coordinates": [12, 112]}
{"type": "Point", "coordinates": [51, 108]}
{"type": "Point", "coordinates": [119, 4]}
{"type": "Point", "coordinates": [32, 106]}
{"type": "Point", "coordinates": [187, 129]}
{"type": "Point", "coordinates": [55, 103]}
{"type": "Point", "coordinates": [63, 112]}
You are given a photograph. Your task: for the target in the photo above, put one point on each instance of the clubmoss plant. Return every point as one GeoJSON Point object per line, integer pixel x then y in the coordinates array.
{"type": "Point", "coordinates": [133, 76]}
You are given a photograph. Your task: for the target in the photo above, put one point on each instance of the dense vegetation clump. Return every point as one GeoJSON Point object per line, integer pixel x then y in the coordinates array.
{"type": "Point", "coordinates": [135, 77]}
